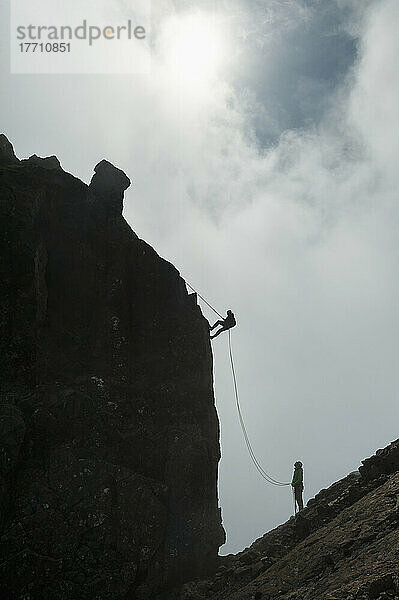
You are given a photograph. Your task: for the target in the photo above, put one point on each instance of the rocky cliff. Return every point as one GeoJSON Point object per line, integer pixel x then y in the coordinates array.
{"type": "Point", "coordinates": [108, 432]}
{"type": "Point", "coordinates": [343, 546]}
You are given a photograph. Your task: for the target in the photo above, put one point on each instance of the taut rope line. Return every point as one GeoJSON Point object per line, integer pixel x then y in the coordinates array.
{"type": "Point", "coordinates": [206, 302]}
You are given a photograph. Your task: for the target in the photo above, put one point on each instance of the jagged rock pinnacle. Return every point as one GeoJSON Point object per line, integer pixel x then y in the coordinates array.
{"type": "Point", "coordinates": [109, 183]}
{"type": "Point", "coordinates": [7, 154]}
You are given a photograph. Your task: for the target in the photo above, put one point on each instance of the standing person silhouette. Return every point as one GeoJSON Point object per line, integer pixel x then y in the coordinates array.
{"type": "Point", "coordinates": [297, 484]}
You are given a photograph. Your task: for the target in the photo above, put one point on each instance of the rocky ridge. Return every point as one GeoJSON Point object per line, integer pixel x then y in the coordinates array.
{"type": "Point", "coordinates": [343, 546]}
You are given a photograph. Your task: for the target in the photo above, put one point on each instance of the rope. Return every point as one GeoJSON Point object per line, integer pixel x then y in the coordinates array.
{"type": "Point", "coordinates": [257, 464]}
{"type": "Point", "coordinates": [206, 302]}
{"type": "Point", "coordinates": [251, 452]}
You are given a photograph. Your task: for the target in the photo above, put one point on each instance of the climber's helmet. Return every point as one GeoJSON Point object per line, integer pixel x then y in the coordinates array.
{"type": "Point", "coordinates": [298, 464]}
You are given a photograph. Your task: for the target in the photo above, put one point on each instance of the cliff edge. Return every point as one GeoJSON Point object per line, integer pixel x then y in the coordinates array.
{"type": "Point", "coordinates": [109, 434]}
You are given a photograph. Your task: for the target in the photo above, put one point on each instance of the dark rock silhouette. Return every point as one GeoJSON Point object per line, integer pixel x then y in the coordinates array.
{"type": "Point", "coordinates": [7, 154]}
{"type": "Point", "coordinates": [343, 546]}
{"type": "Point", "coordinates": [109, 434]}
{"type": "Point", "coordinates": [108, 185]}
{"type": "Point", "coordinates": [384, 462]}
{"type": "Point", "coordinates": [49, 162]}
{"type": "Point", "coordinates": [109, 439]}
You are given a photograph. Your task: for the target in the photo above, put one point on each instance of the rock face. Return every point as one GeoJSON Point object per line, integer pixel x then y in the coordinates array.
{"type": "Point", "coordinates": [343, 546]}
{"type": "Point", "coordinates": [109, 435]}
{"type": "Point", "coordinates": [7, 154]}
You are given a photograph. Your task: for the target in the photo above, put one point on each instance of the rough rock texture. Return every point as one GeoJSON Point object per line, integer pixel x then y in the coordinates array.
{"type": "Point", "coordinates": [343, 546]}
{"type": "Point", "coordinates": [109, 439]}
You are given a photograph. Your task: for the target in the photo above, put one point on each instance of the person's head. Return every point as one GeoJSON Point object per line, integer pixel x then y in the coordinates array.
{"type": "Point", "coordinates": [298, 464]}
{"type": "Point", "coordinates": [229, 312]}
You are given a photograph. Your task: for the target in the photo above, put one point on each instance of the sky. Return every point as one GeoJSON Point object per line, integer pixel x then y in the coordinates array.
{"type": "Point", "coordinates": [263, 149]}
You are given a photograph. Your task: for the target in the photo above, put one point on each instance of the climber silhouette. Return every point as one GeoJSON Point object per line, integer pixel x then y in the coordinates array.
{"type": "Point", "coordinates": [226, 324]}
{"type": "Point", "coordinates": [297, 484]}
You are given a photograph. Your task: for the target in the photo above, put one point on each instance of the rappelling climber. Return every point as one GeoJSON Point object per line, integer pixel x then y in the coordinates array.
{"type": "Point", "coordinates": [297, 484]}
{"type": "Point", "coordinates": [226, 324]}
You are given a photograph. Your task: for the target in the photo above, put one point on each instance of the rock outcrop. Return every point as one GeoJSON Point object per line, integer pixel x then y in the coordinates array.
{"type": "Point", "coordinates": [109, 435]}
{"type": "Point", "coordinates": [343, 546]}
{"type": "Point", "coordinates": [7, 154]}
{"type": "Point", "coordinates": [109, 438]}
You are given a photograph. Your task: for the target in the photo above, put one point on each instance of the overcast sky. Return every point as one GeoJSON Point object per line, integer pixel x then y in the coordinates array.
{"type": "Point", "coordinates": [267, 171]}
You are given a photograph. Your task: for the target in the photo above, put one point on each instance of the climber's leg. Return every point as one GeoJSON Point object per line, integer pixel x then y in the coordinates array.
{"type": "Point", "coordinates": [219, 331]}
{"type": "Point", "coordinates": [299, 498]}
{"type": "Point", "coordinates": [216, 324]}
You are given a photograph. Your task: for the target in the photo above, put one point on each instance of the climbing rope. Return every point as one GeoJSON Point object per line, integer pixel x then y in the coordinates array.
{"type": "Point", "coordinates": [206, 302]}
{"type": "Point", "coordinates": [257, 464]}
{"type": "Point", "coordinates": [248, 444]}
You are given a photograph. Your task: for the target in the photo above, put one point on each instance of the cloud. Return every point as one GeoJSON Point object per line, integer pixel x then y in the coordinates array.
{"type": "Point", "coordinates": [300, 239]}
{"type": "Point", "coordinates": [274, 191]}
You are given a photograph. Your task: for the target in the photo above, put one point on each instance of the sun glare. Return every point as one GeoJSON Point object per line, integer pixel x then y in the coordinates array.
{"type": "Point", "coordinates": [196, 50]}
